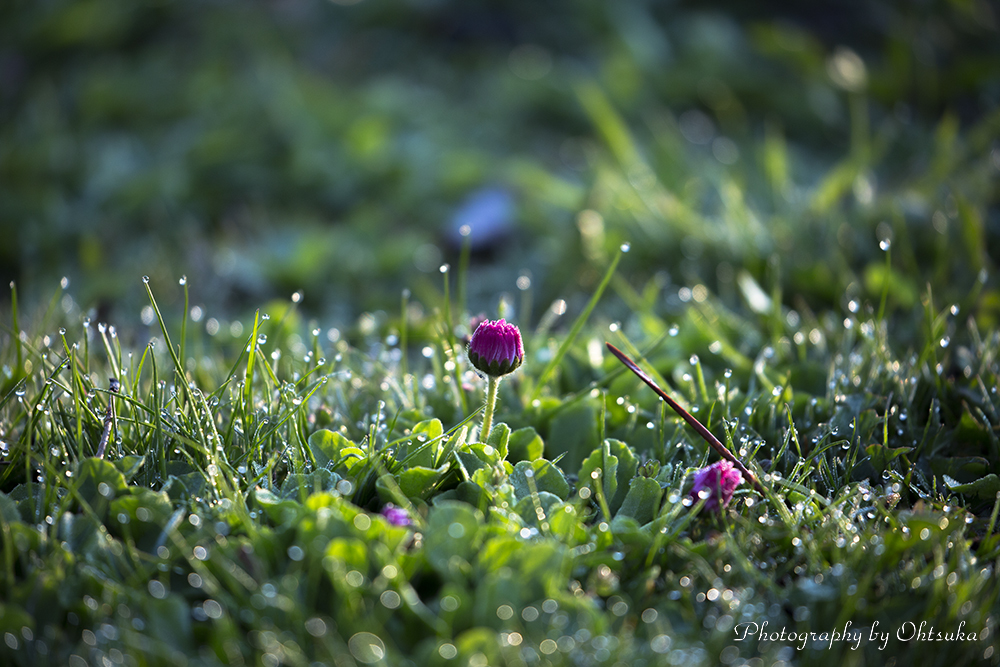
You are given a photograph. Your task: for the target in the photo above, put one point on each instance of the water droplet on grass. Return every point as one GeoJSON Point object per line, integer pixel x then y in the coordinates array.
{"type": "Point", "coordinates": [625, 247]}
{"type": "Point", "coordinates": [145, 280]}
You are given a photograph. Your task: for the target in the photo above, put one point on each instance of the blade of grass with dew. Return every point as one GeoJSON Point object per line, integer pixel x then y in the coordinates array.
{"type": "Point", "coordinates": [184, 318]}
{"type": "Point", "coordinates": [251, 358]}
{"type": "Point", "coordinates": [182, 378]}
{"type": "Point", "coordinates": [17, 331]}
{"type": "Point", "coordinates": [577, 325]}
{"type": "Point", "coordinates": [449, 338]}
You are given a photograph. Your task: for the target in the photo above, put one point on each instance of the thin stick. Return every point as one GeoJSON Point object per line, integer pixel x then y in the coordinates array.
{"type": "Point", "coordinates": [109, 417]}
{"type": "Point", "coordinates": [695, 424]}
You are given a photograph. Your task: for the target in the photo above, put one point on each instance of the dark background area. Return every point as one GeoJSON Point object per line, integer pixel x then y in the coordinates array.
{"type": "Point", "coordinates": [260, 148]}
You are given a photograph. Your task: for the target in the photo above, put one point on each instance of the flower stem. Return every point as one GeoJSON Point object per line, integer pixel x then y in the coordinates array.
{"type": "Point", "coordinates": [491, 401]}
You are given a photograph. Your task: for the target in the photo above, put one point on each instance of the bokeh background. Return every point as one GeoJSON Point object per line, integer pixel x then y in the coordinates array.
{"type": "Point", "coordinates": [337, 148]}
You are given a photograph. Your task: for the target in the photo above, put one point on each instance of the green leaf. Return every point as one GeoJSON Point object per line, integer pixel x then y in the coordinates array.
{"type": "Point", "coordinates": [472, 493]}
{"type": "Point", "coordinates": [881, 456]}
{"type": "Point", "coordinates": [528, 510]}
{"type": "Point", "coordinates": [627, 466]}
{"type": "Point", "coordinates": [142, 515]}
{"type": "Point", "coordinates": [328, 447]}
{"type": "Point", "coordinates": [347, 553]}
{"type": "Point", "coordinates": [539, 475]}
{"type": "Point", "coordinates": [450, 539]}
{"type": "Point", "coordinates": [13, 618]}
{"type": "Point", "coordinates": [963, 468]}
{"type": "Point", "coordinates": [130, 465]}
{"type": "Point", "coordinates": [79, 532]}
{"type": "Point", "coordinates": [420, 482]}
{"type": "Point", "coordinates": [642, 501]}
{"type": "Point", "coordinates": [499, 438]}
{"type": "Point", "coordinates": [601, 459]}
{"type": "Point", "coordinates": [8, 509]}
{"type": "Point", "coordinates": [497, 553]}
{"type": "Point", "coordinates": [470, 462]}
{"type": "Point", "coordinates": [168, 620]}
{"type": "Point", "coordinates": [187, 485]}
{"type": "Point", "coordinates": [98, 482]}
{"type": "Point", "coordinates": [573, 432]}
{"type": "Point", "coordinates": [425, 444]}
{"type": "Point", "coordinates": [984, 488]}
{"type": "Point", "coordinates": [298, 484]}
{"type": "Point", "coordinates": [564, 522]}
{"type": "Point", "coordinates": [525, 444]}
{"type": "Point", "coordinates": [279, 510]}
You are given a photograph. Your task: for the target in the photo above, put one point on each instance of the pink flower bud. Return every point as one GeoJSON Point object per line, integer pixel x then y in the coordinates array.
{"type": "Point", "coordinates": [716, 484]}
{"type": "Point", "coordinates": [496, 348]}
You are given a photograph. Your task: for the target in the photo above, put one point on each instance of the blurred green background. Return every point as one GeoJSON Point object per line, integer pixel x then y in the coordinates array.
{"type": "Point", "coordinates": [261, 148]}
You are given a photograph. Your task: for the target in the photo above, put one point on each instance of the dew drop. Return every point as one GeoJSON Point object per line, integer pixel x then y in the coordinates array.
{"type": "Point", "coordinates": [885, 244]}
{"type": "Point", "coordinates": [183, 280]}
{"type": "Point", "coordinates": [145, 279]}
{"type": "Point", "coordinates": [625, 247]}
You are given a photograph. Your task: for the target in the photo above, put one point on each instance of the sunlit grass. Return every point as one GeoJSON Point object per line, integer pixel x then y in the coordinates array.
{"type": "Point", "coordinates": [235, 514]}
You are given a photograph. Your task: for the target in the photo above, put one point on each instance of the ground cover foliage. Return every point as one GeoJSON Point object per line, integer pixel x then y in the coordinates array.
{"type": "Point", "coordinates": [795, 240]}
{"type": "Point", "coordinates": [235, 514]}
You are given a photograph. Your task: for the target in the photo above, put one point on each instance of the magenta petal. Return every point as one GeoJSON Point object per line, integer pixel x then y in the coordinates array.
{"type": "Point", "coordinates": [496, 347]}
{"type": "Point", "coordinates": [716, 484]}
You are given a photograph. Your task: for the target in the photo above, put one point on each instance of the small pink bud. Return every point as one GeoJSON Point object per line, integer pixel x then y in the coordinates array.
{"type": "Point", "coordinates": [716, 484]}
{"type": "Point", "coordinates": [496, 348]}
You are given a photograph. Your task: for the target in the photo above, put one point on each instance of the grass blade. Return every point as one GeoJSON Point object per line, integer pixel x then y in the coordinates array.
{"type": "Point", "coordinates": [577, 325]}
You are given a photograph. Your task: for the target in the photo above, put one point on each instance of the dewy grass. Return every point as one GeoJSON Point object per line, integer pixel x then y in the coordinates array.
{"type": "Point", "coordinates": [248, 522]}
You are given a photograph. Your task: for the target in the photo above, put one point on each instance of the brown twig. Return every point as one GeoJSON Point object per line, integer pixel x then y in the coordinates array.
{"type": "Point", "coordinates": [109, 417]}
{"type": "Point", "coordinates": [688, 417]}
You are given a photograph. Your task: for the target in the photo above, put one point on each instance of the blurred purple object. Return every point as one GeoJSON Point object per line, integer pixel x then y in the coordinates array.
{"type": "Point", "coordinates": [489, 215]}
{"type": "Point", "coordinates": [397, 516]}
{"type": "Point", "coordinates": [716, 484]}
